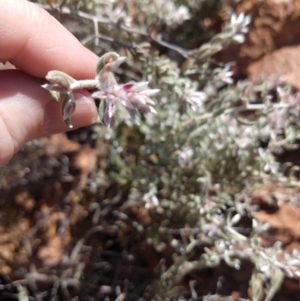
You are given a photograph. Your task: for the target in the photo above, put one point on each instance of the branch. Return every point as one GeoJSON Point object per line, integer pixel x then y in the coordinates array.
{"type": "Point", "coordinates": [105, 20]}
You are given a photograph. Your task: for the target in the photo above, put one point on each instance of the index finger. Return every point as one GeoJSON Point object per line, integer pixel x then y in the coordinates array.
{"type": "Point", "coordinates": [36, 42]}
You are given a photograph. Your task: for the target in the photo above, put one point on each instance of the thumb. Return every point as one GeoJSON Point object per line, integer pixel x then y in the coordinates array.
{"type": "Point", "coordinates": [27, 111]}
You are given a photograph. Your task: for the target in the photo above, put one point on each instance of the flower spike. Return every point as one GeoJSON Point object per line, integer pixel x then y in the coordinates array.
{"type": "Point", "coordinates": [133, 96]}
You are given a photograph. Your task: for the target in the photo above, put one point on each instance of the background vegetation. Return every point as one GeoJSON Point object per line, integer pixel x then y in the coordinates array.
{"type": "Point", "coordinates": [165, 210]}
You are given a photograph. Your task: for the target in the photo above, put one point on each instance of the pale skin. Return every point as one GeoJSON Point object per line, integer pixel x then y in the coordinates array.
{"type": "Point", "coordinates": [33, 41]}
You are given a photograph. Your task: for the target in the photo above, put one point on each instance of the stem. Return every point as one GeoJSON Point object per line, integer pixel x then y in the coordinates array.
{"type": "Point", "coordinates": [85, 84]}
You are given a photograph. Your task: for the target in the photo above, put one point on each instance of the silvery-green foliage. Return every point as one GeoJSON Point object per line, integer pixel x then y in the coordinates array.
{"type": "Point", "coordinates": [197, 171]}
{"type": "Point", "coordinates": [207, 150]}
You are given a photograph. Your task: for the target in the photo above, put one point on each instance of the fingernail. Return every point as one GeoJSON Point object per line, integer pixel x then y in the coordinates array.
{"type": "Point", "coordinates": [85, 106]}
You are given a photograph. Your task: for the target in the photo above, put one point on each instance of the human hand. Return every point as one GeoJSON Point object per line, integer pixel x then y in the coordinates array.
{"type": "Point", "coordinates": [36, 43]}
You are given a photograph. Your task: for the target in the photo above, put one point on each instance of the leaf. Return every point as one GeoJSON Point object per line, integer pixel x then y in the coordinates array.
{"type": "Point", "coordinates": [102, 109]}
{"type": "Point", "coordinates": [105, 59]}
{"type": "Point", "coordinates": [109, 121]}
{"type": "Point", "coordinates": [56, 95]}
{"type": "Point", "coordinates": [134, 115]}
{"type": "Point", "coordinates": [60, 78]}
{"type": "Point", "coordinates": [68, 109]}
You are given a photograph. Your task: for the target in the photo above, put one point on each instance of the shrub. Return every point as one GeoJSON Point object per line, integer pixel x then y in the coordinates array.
{"type": "Point", "coordinates": [197, 163]}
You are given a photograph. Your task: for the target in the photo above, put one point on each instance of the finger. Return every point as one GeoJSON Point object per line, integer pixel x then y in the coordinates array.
{"type": "Point", "coordinates": [27, 112]}
{"type": "Point", "coordinates": [36, 42]}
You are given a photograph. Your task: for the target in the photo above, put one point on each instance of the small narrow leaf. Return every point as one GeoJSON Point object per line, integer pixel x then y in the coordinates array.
{"type": "Point", "coordinates": [105, 59]}
{"type": "Point", "coordinates": [60, 78]}
{"type": "Point", "coordinates": [68, 109]}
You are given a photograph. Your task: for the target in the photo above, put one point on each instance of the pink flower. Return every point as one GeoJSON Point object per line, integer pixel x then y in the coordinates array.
{"type": "Point", "coordinates": [132, 96]}
{"type": "Point", "coordinates": [195, 99]}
